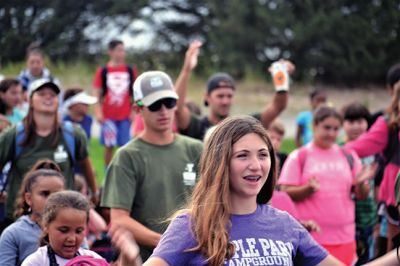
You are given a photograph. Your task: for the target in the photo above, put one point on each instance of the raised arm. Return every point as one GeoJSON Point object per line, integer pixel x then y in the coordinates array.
{"type": "Point", "coordinates": [280, 98]}
{"type": "Point", "coordinates": [181, 84]}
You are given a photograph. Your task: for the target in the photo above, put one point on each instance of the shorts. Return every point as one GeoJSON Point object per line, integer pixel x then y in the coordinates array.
{"type": "Point", "coordinates": [115, 132]}
{"type": "Point", "coordinates": [346, 253]}
{"type": "Point", "coordinates": [390, 212]}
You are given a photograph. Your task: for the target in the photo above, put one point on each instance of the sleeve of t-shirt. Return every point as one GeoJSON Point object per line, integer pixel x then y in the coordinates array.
{"type": "Point", "coordinates": [300, 119]}
{"type": "Point", "coordinates": [308, 252]}
{"type": "Point", "coordinates": [81, 145]}
{"type": "Point", "coordinates": [194, 128]}
{"type": "Point", "coordinates": [373, 141]}
{"type": "Point", "coordinates": [177, 238]}
{"type": "Point", "coordinates": [8, 248]}
{"type": "Point", "coordinates": [291, 172]}
{"type": "Point", "coordinates": [121, 181]}
{"type": "Point", "coordinates": [7, 144]}
{"type": "Point", "coordinates": [97, 82]}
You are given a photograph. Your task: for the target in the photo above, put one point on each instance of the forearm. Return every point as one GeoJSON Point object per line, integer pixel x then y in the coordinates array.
{"type": "Point", "coordinates": [298, 193]}
{"type": "Point", "coordinates": [182, 112]}
{"type": "Point", "coordinates": [142, 234]}
{"type": "Point", "coordinates": [361, 190]}
{"type": "Point", "coordinates": [88, 172]}
{"type": "Point", "coordinates": [273, 110]}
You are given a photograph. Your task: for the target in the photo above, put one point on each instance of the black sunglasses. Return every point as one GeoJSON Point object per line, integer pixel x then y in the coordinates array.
{"type": "Point", "coordinates": [167, 102]}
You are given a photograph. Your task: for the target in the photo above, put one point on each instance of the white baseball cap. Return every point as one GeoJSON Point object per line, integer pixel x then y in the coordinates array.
{"type": "Point", "coordinates": [40, 83]}
{"type": "Point", "coordinates": [152, 86]}
{"type": "Point", "coordinates": [81, 97]}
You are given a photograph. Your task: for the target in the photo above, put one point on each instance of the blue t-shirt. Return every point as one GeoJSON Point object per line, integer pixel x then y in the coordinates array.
{"type": "Point", "coordinates": [18, 241]}
{"type": "Point", "coordinates": [16, 116]}
{"type": "Point", "coordinates": [266, 237]}
{"type": "Point", "coordinates": [86, 124]}
{"type": "Point", "coordinates": [305, 120]}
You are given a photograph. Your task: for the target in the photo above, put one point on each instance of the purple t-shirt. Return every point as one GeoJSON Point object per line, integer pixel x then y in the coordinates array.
{"type": "Point", "coordinates": [266, 237]}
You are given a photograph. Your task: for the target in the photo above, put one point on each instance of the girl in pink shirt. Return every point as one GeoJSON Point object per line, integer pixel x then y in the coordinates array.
{"type": "Point", "coordinates": [320, 177]}
{"type": "Point", "coordinates": [384, 136]}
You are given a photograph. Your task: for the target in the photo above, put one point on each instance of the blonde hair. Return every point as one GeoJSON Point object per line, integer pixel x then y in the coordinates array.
{"type": "Point", "coordinates": [210, 206]}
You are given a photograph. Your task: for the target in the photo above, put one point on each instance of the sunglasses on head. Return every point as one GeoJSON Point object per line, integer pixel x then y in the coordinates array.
{"type": "Point", "coordinates": [169, 103]}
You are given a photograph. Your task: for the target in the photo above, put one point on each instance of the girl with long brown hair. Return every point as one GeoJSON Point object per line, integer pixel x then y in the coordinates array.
{"type": "Point", "coordinates": [228, 221]}
{"type": "Point", "coordinates": [40, 136]}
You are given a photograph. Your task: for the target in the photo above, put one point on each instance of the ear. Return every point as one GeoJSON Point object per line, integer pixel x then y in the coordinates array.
{"type": "Point", "coordinates": [136, 108]}
{"type": "Point", "coordinates": [205, 98]}
{"type": "Point", "coordinates": [28, 198]}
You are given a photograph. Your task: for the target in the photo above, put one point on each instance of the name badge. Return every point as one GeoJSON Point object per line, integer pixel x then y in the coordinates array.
{"type": "Point", "coordinates": [60, 155]}
{"type": "Point", "coordinates": [189, 177]}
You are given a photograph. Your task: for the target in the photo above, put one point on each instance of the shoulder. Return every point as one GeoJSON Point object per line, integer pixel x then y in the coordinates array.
{"type": "Point", "coordinates": [182, 139]}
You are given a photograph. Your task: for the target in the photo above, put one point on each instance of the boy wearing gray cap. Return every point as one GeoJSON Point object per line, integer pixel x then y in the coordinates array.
{"type": "Point", "coordinates": [152, 175]}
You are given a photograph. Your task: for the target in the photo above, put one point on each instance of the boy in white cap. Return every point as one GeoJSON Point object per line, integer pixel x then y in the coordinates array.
{"type": "Point", "coordinates": [152, 175]}
{"type": "Point", "coordinates": [76, 107]}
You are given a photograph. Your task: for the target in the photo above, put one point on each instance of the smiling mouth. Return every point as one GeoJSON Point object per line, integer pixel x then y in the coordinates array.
{"type": "Point", "coordinates": [252, 178]}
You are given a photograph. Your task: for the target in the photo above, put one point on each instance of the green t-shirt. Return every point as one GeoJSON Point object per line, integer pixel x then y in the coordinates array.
{"type": "Point", "coordinates": [42, 149]}
{"type": "Point", "coordinates": [152, 181]}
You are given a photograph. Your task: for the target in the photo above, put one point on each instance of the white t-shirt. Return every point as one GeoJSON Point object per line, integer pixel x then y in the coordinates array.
{"type": "Point", "coordinates": [40, 257]}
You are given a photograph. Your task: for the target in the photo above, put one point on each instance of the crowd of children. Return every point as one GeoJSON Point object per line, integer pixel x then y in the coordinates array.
{"type": "Point", "coordinates": [329, 202]}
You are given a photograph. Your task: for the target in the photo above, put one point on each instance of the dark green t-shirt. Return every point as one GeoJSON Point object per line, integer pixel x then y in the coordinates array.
{"type": "Point", "coordinates": [152, 181]}
{"type": "Point", "coordinates": [41, 149]}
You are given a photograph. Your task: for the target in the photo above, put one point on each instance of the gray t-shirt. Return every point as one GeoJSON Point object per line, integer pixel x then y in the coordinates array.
{"type": "Point", "coordinates": [266, 237]}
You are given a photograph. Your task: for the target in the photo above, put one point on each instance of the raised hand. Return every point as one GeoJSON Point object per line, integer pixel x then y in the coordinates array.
{"type": "Point", "coordinates": [191, 55]}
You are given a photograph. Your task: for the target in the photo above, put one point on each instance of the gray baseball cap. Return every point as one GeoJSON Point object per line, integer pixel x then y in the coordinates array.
{"type": "Point", "coordinates": [152, 86]}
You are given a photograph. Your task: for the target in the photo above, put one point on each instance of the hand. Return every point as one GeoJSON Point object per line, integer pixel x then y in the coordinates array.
{"type": "Point", "coordinates": [290, 67]}
{"type": "Point", "coordinates": [124, 241]}
{"type": "Point", "coordinates": [366, 173]}
{"type": "Point", "coordinates": [313, 183]}
{"type": "Point", "coordinates": [311, 226]}
{"type": "Point", "coordinates": [4, 123]}
{"type": "Point", "coordinates": [191, 55]}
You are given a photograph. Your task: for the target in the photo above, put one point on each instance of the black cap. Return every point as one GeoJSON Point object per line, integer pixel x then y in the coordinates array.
{"type": "Point", "coordinates": [220, 80]}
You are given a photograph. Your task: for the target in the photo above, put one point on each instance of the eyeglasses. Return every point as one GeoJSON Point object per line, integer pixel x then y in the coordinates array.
{"type": "Point", "coordinates": [169, 103]}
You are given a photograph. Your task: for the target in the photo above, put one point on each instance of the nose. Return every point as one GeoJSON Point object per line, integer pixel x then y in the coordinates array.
{"type": "Point", "coordinates": [254, 163]}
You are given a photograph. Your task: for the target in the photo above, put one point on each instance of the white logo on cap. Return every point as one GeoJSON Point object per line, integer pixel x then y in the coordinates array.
{"type": "Point", "coordinates": [156, 82]}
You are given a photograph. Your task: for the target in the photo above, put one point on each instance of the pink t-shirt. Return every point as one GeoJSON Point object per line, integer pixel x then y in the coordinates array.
{"type": "Point", "coordinates": [331, 207]}
{"type": "Point", "coordinates": [282, 201]}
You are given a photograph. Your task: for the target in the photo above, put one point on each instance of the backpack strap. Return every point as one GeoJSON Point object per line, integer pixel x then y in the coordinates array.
{"type": "Point", "coordinates": [349, 158]}
{"type": "Point", "coordinates": [104, 71]}
{"type": "Point", "coordinates": [19, 137]}
{"type": "Point", "coordinates": [69, 137]}
{"type": "Point", "coordinates": [302, 157]}
{"type": "Point", "coordinates": [67, 129]}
